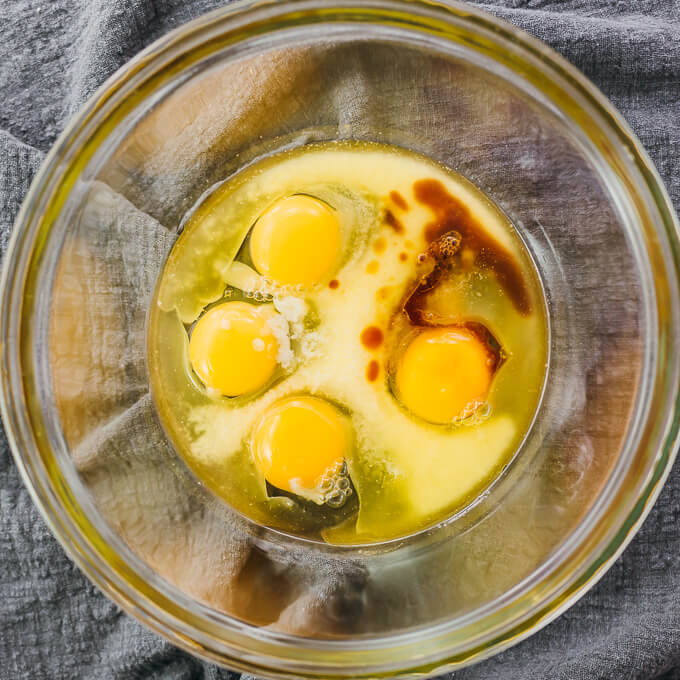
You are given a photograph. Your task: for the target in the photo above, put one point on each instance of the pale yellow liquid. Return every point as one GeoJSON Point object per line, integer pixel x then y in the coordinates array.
{"type": "Point", "coordinates": [408, 474]}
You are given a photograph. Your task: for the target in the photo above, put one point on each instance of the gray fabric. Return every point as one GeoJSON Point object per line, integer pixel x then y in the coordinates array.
{"type": "Point", "coordinates": [54, 624]}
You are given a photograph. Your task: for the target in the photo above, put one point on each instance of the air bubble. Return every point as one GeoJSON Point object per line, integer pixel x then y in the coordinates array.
{"type": "Point", "coordinates": [335, 486]}
{"type": "Point", "coordinates": [335, 501]}
{"type": "Point", "coordinates": [474, 413]}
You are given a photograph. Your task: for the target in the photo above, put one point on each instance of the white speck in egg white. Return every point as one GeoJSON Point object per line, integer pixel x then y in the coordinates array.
{"type": "Point", "coordinates": [310, 348]}
{"type": "Point", "coordinates": [293, 309]}
{"type": "Point", "coordinates": [279, 327]}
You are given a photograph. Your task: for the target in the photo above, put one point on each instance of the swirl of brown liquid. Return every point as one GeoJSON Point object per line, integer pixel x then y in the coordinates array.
{"type": "Point", "coordinates": [453, 216]}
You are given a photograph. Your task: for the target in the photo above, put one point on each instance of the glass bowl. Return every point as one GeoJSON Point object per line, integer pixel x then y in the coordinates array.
{"type": "Point", "coordinates": [465, 89]}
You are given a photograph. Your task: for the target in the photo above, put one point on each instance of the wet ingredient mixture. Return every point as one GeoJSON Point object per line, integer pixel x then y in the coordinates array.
{"type": "Point", "coordinates": [348, 342]}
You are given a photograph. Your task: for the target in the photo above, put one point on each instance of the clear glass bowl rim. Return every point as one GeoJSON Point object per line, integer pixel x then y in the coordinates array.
{"type": "Point", "coordinates": [200, 630]}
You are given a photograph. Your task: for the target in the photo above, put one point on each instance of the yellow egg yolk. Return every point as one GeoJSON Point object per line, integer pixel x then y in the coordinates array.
{"type": "Point", "coordinates": [298, 442]}
{"type": "Point", "coordinates": [232, 349]}
{"type": "Point", "coordinates": [296, 241]}
{"type": "Point", "coordinates": [443, 373]}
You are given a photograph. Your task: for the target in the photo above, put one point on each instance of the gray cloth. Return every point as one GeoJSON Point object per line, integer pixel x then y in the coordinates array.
{"type": "Point", "coordinates": [54, 624]}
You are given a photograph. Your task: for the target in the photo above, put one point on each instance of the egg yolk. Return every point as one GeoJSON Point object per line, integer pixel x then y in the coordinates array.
{"type": "Point", "coordinates": [298, 441]}
{"type": "Point", "coordinates": [296, 241]}
{"type": "Point", "coordinates": [232, 349]}
{"type": "Point", "coordinates": [443, 373]}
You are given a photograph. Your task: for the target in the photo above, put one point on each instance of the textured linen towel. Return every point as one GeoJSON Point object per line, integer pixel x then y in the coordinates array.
{"type": "Point", "coordinates": [53, 623]}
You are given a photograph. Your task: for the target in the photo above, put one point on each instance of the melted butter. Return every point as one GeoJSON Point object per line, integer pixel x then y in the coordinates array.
{"type": "Point", "coordinates": [407, 474]}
